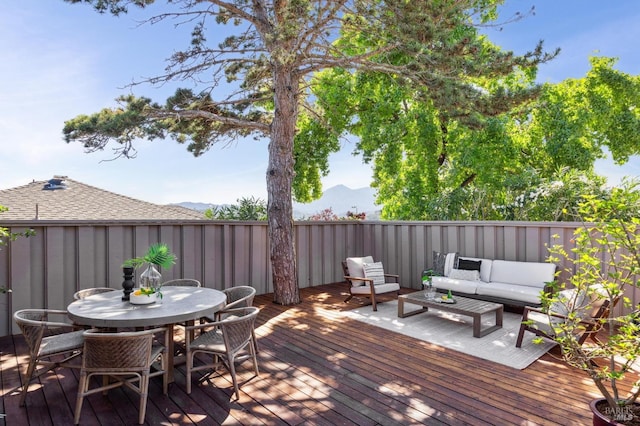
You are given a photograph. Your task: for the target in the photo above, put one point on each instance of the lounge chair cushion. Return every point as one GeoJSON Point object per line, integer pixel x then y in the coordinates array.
{"type": "Point", "coordinates": [354, 264]}
{"type": "Point", "coordinates": [379, 289]}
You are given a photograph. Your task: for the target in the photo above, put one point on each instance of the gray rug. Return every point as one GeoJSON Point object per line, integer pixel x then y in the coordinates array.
{"type": "Point", "coordinates": [454, 331]}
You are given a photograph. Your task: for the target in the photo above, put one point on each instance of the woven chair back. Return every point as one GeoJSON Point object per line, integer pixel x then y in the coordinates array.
{"type": "Point", "coordinates": [240, 296]}
{"type": "Point", "coordinates": [81, 294]}
{"type": "Point", "coordinates": [182, 282]}
{"type": "Point", "coordinates": [117, 352]}
{"type": "Point", "coordinates": [32, 325]}
{"type": "Point", "coordinates": [237, 327]}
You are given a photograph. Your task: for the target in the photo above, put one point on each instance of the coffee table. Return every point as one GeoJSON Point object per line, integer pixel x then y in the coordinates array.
{"type": "Point", "coordinates": [463, 306]}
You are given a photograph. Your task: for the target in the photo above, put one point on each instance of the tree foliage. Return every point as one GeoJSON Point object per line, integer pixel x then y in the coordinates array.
{"type": "Point", "coordinates": [247, 209]}
{"type": "Point", "coordinates": [430, 163]}
{"type": "Point", "coordinates": [327, 215]}
{"type": "Point", "coordinates": [257, 82]}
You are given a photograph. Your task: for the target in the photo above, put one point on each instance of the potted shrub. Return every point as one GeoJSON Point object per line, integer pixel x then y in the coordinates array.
{"type": "Point", "coordinates": [604, 263]}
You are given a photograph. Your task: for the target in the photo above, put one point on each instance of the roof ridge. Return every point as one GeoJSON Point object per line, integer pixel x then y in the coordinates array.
{"type": "Point", "coordinates": [82, 201]}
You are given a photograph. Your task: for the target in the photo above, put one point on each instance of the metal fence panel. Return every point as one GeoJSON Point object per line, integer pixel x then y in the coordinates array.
{"type": "Point", "coordinates": [45, 270]}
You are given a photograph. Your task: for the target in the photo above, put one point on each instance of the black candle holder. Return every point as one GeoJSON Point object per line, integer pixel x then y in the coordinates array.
{"type": "Point", "coordinates": [127, 284]}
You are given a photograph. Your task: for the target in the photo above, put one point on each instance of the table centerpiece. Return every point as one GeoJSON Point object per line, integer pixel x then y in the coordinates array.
{"type": "Point", "coordinates": [157, 256]}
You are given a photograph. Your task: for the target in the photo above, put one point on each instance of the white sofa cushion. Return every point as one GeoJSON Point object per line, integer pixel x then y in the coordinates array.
{"type": "Point", "coordinates": [485, 267]}
{"type": "Point", "coordinates": [463, 274]}
{"type": "Point", "coordinates": [462, 286]}
{"type": "Point", "coordinates": [533, 274]}
{"type": "Point", "coordinates": [522, 293]}
{"type": "Point", "coordinates": [354, 265]}
{"type": "Point", "coordinates": [375, 271]}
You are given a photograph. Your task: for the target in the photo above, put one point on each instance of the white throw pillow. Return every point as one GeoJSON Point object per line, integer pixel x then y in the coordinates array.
{"type": "Point", "coordinates": [464, 274]}
{"type": "Point", "coordinates": [375, 271]}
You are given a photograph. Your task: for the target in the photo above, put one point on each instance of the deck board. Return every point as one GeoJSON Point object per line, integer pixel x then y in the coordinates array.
{"type": "Point", "coordinates": [319, 368]}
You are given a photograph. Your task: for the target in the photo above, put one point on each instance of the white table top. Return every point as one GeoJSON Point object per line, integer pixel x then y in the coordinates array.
{"type": "Point", "coordinates": [178, 304]}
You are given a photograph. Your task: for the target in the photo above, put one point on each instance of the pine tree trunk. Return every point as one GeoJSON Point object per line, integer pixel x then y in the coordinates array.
{"type": "Point", "coordinates": [279, 183]}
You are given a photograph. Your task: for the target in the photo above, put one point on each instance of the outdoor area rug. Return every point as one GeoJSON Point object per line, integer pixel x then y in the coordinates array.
{"type": "Point", "coordinates": [454, 331]}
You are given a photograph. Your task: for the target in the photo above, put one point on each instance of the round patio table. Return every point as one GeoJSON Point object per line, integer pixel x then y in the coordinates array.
{"type": "Point", "coordinates": [178, 305]}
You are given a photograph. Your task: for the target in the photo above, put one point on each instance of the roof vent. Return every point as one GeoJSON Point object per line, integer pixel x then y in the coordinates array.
{"type": "Point", "coordinates": [56, 183]}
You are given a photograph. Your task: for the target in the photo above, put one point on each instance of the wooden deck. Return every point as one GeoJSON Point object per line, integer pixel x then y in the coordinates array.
{"type": "Point", "coordinates": [318, 368]}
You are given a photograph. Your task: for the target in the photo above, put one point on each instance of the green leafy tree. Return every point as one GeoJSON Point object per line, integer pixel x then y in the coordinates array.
{"type": "Point", "coordinates": [425, 143]}
{"type": "Point", "coordinates": [556, 198]}
{"type": "Point", "coordinates": [247, 209]}
{"type": "Point", "coordinates": [577, 118]}
{"type": "Point", "coordinates": [272, 49]}
{"type": "Point", "coordinates": [432, 164]}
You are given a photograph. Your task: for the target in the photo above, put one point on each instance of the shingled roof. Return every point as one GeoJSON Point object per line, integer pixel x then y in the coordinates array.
{"type": "Point", "coordinates": [61, 198]}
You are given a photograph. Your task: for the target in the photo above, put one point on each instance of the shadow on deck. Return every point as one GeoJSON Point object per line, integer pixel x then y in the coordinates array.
{"type": "Point", "coordinates": [320, 368]}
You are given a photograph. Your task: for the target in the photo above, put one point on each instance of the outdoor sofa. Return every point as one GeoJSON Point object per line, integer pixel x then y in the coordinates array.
{"type": "Point", "coordinates": [502, 281]}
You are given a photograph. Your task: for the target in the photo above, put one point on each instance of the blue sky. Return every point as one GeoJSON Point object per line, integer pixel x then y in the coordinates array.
{"type": "Point", "coordinates": [61, 60]}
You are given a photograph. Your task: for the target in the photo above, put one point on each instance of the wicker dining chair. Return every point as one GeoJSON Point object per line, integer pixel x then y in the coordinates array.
{"type": "Point", "coordinates": [229, 341]}
{"type": "Point", "coordinates": [37, 329]}
{"type": "Point", "coordinates": [81, 294]}
{"type": "Point", "coordinates": [240, 296]}
{"type": "Point", "coordinates": [182, 282]}
{"type": "Point", "coordinates": [126, 357]}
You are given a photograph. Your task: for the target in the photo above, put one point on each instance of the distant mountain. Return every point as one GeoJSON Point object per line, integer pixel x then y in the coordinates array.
{"type": "Point", "coordinates": [194, 206]}
{"type": "Point", "coordinates": [340, 199]}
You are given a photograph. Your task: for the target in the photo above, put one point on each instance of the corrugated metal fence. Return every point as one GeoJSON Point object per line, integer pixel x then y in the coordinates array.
{"type": "Point", "coordinates": [45, 270]}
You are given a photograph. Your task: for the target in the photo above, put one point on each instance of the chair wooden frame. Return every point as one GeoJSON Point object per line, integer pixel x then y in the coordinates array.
{"type": "Point", "coordinates": [591, 325]}
{"type": "Point", "coordinates": [368, 282]}
{"type": "Point", "coordinates": [225, 340]}
{"type": "Point", "coordinates": [126, 357]}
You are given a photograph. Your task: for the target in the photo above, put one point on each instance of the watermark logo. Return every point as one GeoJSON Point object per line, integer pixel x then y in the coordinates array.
{"type": "Point", "coordinates": [619, 414]}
